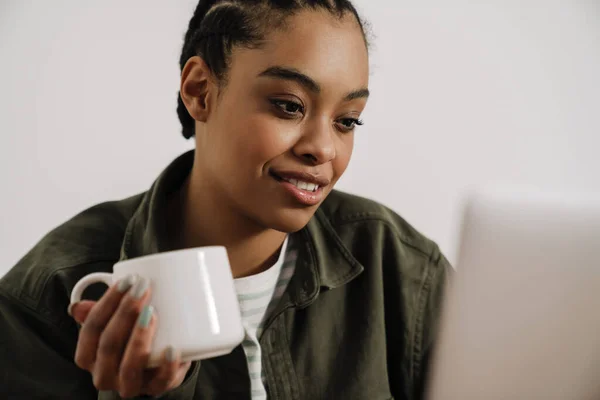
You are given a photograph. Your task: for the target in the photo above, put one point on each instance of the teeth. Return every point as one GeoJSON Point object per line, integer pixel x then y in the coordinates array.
{"type": "Point", "coordinates": [311, 187]}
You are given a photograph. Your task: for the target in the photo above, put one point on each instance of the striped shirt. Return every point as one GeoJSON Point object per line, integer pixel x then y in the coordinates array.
{"type": "Point", "coordinates": [258, 295]}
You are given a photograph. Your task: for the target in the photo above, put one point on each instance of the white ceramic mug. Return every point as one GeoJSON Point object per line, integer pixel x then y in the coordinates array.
{"type": "Point", "coordinates": [193, 296]}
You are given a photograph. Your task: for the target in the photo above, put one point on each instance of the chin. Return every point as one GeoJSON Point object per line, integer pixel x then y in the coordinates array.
{"type": "Point", "coordinates": [289, 220]}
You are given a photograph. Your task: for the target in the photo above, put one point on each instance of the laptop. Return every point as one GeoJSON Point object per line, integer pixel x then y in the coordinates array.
{"type": "Point", "coordinates": [521, 318]}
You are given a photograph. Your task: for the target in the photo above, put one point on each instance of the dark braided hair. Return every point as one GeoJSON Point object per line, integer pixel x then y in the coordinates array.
{"type": "Point", "coordinates": [219, 25]}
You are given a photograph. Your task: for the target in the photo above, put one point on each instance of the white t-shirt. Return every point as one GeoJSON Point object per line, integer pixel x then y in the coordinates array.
{"type": "Point", "coordinates": [258, 295]}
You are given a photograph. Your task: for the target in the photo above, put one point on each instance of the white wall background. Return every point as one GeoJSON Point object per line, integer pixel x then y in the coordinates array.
{"type": "Point", "coordinates": [501, 91]}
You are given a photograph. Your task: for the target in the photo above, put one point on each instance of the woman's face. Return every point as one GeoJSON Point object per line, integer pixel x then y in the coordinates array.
{"type": "Point", "coordinates": [280, 133]}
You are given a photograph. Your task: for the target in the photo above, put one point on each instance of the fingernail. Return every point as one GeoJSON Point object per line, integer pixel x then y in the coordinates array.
{"type": "Point", "coordinates": [140, 288]}
{"type": "Point", "coordinates": [126, 283]}
{"type": "Point", "coordinates": [70, 309]}
{"type": "Point", "coordinates": [170, 354]}
{"type": "Point", "coordinates": [145, 316]}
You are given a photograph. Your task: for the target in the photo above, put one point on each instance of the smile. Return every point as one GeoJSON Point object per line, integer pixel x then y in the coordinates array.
{"type": "Point", "coordinates": [310, 187]}
{"type": "Point", "coordinates": [306, 189]}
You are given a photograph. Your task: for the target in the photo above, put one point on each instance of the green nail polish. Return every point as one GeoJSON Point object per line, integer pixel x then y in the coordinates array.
{"type": "Point", "coordinates": [145, 317]}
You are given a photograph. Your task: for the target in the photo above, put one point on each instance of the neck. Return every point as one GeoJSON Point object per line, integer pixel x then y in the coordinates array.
{"type": "Point", "coordinates": [199, 217]}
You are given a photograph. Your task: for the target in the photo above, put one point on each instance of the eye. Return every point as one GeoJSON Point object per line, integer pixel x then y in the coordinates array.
{"type": "Point", "coordinates": [348, 124]}
{"type": "Point", "coordinates": [288, 107]}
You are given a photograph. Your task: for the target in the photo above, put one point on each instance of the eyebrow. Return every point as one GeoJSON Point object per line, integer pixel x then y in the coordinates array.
{"type": "Point", "coordinates": [292, 74]}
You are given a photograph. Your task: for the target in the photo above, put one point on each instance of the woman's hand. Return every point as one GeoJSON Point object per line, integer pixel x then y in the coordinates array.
{"type": "Point", "coordinates": [115, 342]}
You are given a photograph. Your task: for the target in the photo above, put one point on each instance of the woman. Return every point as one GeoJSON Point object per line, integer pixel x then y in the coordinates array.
{"type": "Point", "coordinates": [347, 292]}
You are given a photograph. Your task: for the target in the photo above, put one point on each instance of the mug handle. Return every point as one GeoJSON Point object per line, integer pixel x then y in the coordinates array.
{"type": "Point", "coordinates": [96, 277]}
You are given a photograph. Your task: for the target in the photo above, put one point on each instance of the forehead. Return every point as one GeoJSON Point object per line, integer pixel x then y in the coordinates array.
{"type": "Point", "coordinates": [329, 49]}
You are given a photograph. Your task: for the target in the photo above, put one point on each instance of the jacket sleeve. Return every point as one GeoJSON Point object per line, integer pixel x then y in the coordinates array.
{"type": "Point", "coordinates": [36, 360]}
{"type": "Point", "coordinates": [415, 281]}
{"type": "Point", "coordinates": [432, 296]}
{"type": "Point", "coordinates": [36, 357]}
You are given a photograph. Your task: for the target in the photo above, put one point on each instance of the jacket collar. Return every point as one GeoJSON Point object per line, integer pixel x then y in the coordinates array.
{"type": "Point", "coordinates": [145, 233]}
{"type": "Point", "coordinates": [323, 260]}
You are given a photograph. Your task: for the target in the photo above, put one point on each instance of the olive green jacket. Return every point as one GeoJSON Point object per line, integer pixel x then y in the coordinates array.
{"type": "Point", "coordinates": [358, 319]}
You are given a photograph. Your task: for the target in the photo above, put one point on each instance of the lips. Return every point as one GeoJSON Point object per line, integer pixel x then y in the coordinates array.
{"type": "Point", "coordinates": [303, 180]}
{"type": "Point", "coordinates": [311, 187]}
{"type": "Point", "coordinates": [306, 188]}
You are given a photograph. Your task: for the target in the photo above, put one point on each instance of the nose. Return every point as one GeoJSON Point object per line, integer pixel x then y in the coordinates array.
{"type": "Point", "coordinates": [317, 144]}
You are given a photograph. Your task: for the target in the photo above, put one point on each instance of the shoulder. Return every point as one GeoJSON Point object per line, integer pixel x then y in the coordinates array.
{"type": "Point", "coordinates": [385, 244]}
{"type": "Point", "coordinates": [400, 262]}
{"type": "Point", "coordinates": [93, 234]}
{"type": "Point", "coordinates": [374, 222]}
{"type": "Point", "coordinates": [89, 241]}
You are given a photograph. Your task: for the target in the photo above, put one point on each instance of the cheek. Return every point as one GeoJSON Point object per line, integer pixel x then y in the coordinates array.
{"type": "Point", "coordinates": [343, 155]}
{"type": "Point", "coordinates": [263, 138]}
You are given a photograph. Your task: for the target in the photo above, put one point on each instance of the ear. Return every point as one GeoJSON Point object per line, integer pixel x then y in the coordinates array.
{"type": "Point", "coordinates": [196, 88]}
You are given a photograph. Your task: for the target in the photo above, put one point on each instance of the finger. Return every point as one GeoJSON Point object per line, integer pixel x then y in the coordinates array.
{"type": "Point", "coordinates": [79, 311]}
{"type": "Point", "coordinates": [180, 374]}
{"type": "Point", "coordinates": [117, 333]}
{"type": "Point", "coordinates": [137, 354]}
{"type": "Point", "coordinates": [166, 376]}
{"type": "Point", "coordinates": [96, 321]}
